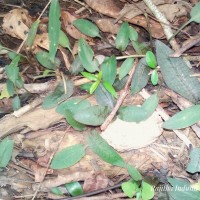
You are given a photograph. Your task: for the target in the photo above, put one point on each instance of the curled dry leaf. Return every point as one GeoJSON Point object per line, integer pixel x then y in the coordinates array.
{"type": "Point", "coordinates": [125, 136]}
{"type": "Point", "coordinates": [16, 23]}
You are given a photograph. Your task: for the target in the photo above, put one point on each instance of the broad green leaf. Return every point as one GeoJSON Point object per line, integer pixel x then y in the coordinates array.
{"type": "Point", "coordinates": [193, 166]}
{"type": "Point", "coordinates": [57, 191]}
{"type": "Point", "coordinates": [182, 190]}
{"type": "Point", "coordinates": [104, 150]}
{"type": "Point", "coordinates": [86, 56]}
{"type": "Point", "coordinates": [129, 188]}
{"type": "Point", "coordinates": [125, 68]}
{"type": "Point", "coordinates": [134, 173]}
{"type": "Point", "coordinates": [86, 86]}
{"type": "Point", "coordinates": [103, 97]}
{"type": "Point", "coordinates": [74, 188]}
{"type": "Point", "coordinates": [122, 38]}
{"type": "Point", "coordinates": [10, 87]}
{"type": "Point", "coordinates": [150, 59]}
{"type": "Point", "coordinates": [196, 186]}
{"type": "Point", "coordinates": [94, 115]}
{"type": "Point", "coordinates": [139, 47]}
{"type": "Point", "coordinates": [184, 118]}
{"type": "Point", "coordinates": [87, 27]}
{"type": "Point", "coordinates": [64, 40]}
{"type": "Point", "coordinates": [154, 77]}
{"type": "Point", "coordinates": [19, 83]}
{"type": "Point", "coordinates": [140, 77]}
{"type": "Point", "coordinates": [94, 86]}
{"type": "Point", "coordinates": [195, 15]}
{"type": "Point", "coordinates": [16, 104]}
{"type": "Point", "coordinates": [109, 69]}
{"type": "Point", "coordinates": [68, 157]}
{"type": "Point", "coordinates": [132, 114]}
{"type": "Point", "coordinates": [54, 29]}
{"type": "Point", "coordinates": [147, 191]}
{"type": "Point", "coordinates": [12, 70]}
{"type": "Point", "coordinates": [58, 95]}
{"type": "Point", "coordinates": [89, 76]}
{"type": "Point", "coordinates": [32, 33]}
{"type": "Point", "coordinates": [119, 84]}
{"type": "Point", "coordinates": [133, 34]}
{"type": "Point", "coordinates": [76, 66]}
{"type": "Point", "coordinates": [6, 149]}
{"type": "Point", "coordinates": [43, 59]}
{"type": "Point", "coordinates": [110, 89]}
{"type": "Point", "coordinates": [177, 74]}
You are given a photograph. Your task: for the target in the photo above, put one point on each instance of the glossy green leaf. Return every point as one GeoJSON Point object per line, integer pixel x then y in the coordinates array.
{"type": "Point", "coordinates": [103, 97]}
{"type": "Point", "coordinates": [10, 87]}
{"type": "Point", "coordinates": [154, 77]}
{"type": "Point", "coordinates": [150, 59]}
{"type": "Point", "coordinates": [74, 188]}
{"type": "Point", "coordinates": [16, 104]}
{"type": "Point", "coordinates": [104, 150]}
{"type": "Point", "coordinates": [6, 149]}
{"type": "Point", "coordinates": [134, 173]}
{"type": "Point", "coordinates": [183, 119]}
{"type": "Point", "coordinates": [129, 188]}
{"type": "Point", "coordinates": [58, 95]}
{"type": "Point", "coordinates": [147, 191]}
{"type": "Point", "coordinates": [109, 69]}
{"type": "Point", "coordinates": [87, 27]}
{"type": "Point", "coordinates": [54, 29]}
{"type": "Point", "coordinates": [56, 191]}
{"type": "Point", "coordinates": [94, 115]}
{"type": "Point", "coordinates": [12, 70]}
{"type": "Point", "coordinates": [68, 157]}
{"type": "Point", "coordinates": [43, 59]}
{"type": "Point", "coordinates": [125, 68]}
{"type": "Point", "coordinates": [89, 76]}
{"type": "Point", "coordinates": [193, 166]}
{"type": "Point", "coordinates": [32, 33]}
{"type": "Point", "coordinates": [64, 40]}
{"type": "Point", "coordinates": [195, 14]}
{"type": "Point", "coordinates": [94, 86]}
{"type": "Point", "coordinates": [86, 56]}
{"type": "Point", "coordinates": [133, 34]}
{"type": "Point", "coordinates": [140, 77]}
{"type": "Point", "coordinates": [122, 38]}
{"type": "Point", "coordinates": [110, 88]}
{"type": "Point", "coordinates": [176, 74]}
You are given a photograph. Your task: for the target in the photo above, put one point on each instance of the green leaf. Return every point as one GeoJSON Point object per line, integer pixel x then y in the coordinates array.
{"type": "Point", "coordinates": [89, 76]}
{"type": "Point", "coordinates": [87, 27]}
{"type": "Point", "coordinates": [32, 33]}
{"type": "Point", "coordinates": [12, 70]}
{"type": "Point", "coordinates": [195, 15]}
{"type": "Point", "coordinates": [193, 166]}
{"type": "Point", "coordinates": [150, 59]}
{"type": "Point", "coordinates": [76, 66]}
{"type": "Point", "coordinates": [129, 188]}
{"type": "Point", "coordinates": [4, 93]}
{"type": "Point", "coordinates": [58, 95]}
{"type": "Point", "coordinates": [109, 69]}
{"type": "Point", "coordinates": [86, 56]}
{"type": "Point", "coordinates": [122, 38]}
{"type": "Point", "coordinates": [56, 191]}
{"type": "Point", "coordinates": [6, 149]}
{"type": "Point", "coordinates": [74, 188]}
{"type": "Point", "coordinates": [140, 77]}
{"type": "Point", "coordinates": [134, 173]}
{"type": "Point", "coordinates": [133, 34]}
{"type": "Point", "coordinates": [177, 74]}
{"type": "Point", "coordinates": [119, 84]}
{"type": "Point", "coordinates": [54, 28]}
{"type": "Point", "coordinates": [110, 88]}
{"type": "Point", "coordinates": [94, 86]}
{"type": "Point", "coordinates": [10, 87]}
{"type": "Point", "coordinates": [43, 59]}
{"type": "Point", "coordinates": [64, 40]}
{"type": "Point", "coordinates": [139, 47]}
{"type": "Point", "coordinates": [154, 77]}
{"type": "Point", "coordinates": [103, 97]}
{"type": "Point", "coordinates": [104, 150]}
{"type": "Point", "coordinates": [94, 115]}
{"type": "Point", "coordinates": [125, 68]}
{"type": "Point", "coordinates": [68, 157]}
{"type": "Point", "coordinates": [183, 119]}
{"type": "Point", "coordinates": [16, 104]}
{"type": "Point", "coordinates": [147, 191]}
{"type": "Point", "coordinates": [86, 86]}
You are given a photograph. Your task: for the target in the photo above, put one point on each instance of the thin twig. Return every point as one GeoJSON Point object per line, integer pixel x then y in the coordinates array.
{"type": "Point", "coordinates": [120, 100]}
